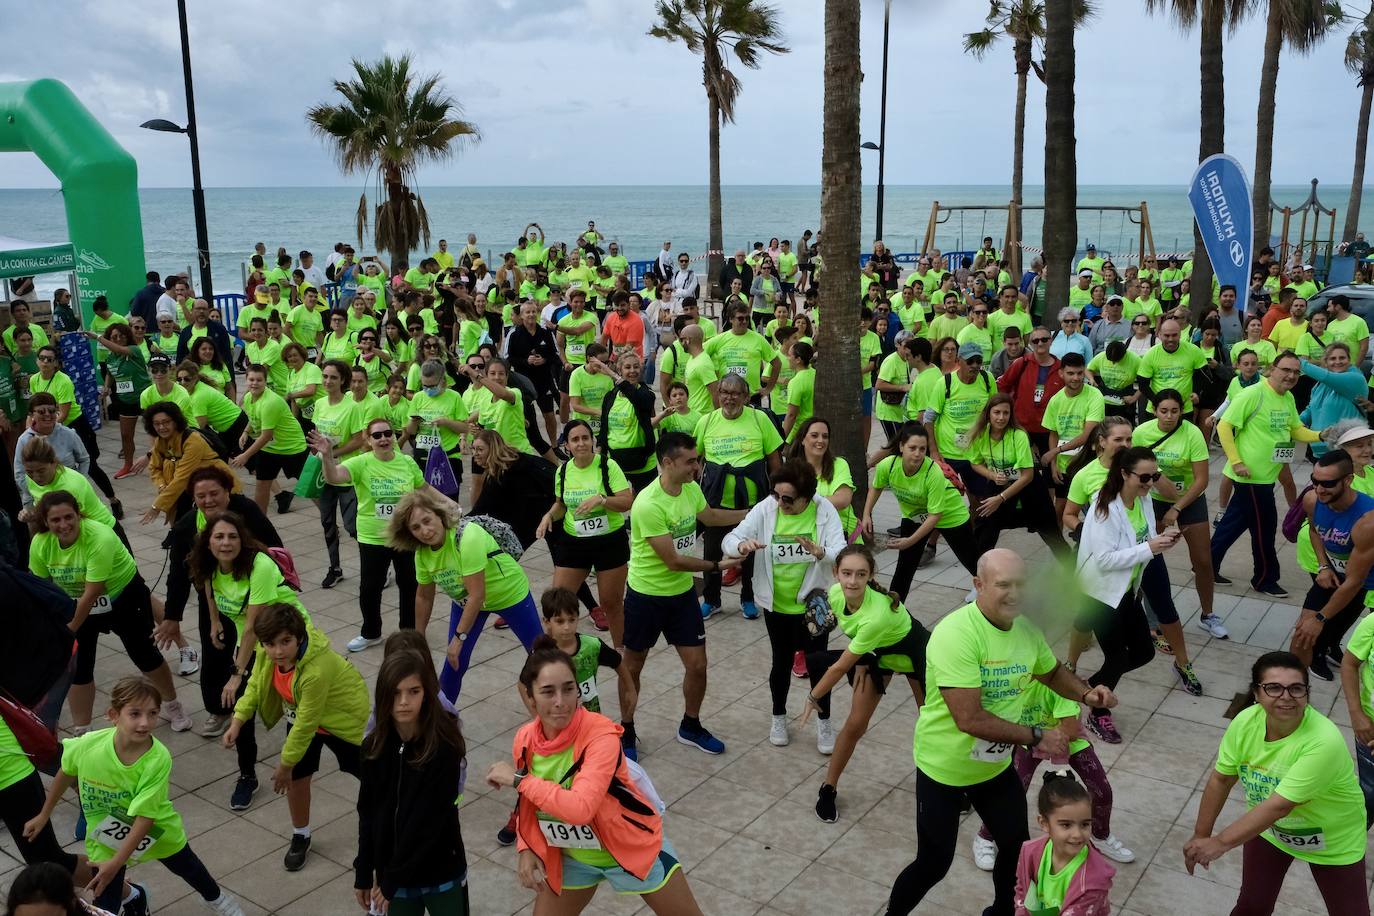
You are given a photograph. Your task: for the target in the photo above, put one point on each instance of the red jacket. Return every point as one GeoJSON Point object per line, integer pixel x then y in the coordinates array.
{"type": "Point", "coordinates": [1088, 888]}
{"type": "Point", "coordinates": [1019, 381]}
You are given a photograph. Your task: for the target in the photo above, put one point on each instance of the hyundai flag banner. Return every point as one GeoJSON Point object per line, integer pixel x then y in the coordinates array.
{"type": "Point", "coordinates": [1220, 195]}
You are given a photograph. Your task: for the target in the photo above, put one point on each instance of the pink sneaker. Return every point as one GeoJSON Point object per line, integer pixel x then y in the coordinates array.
{"type": "Point", "coordinates": [1101, 725]}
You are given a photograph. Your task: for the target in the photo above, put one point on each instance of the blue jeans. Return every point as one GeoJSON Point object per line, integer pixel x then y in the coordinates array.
{"type": "Point", "coordinates": [523, 617]}
{"type": "Point", "coordinates": [1364, 759]}
{"type": "Point", "coordinates": [1251, 509]}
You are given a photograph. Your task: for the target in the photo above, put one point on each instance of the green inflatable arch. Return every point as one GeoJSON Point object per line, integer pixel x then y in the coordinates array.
{"type": "Point", "coordinates": [99, 185]}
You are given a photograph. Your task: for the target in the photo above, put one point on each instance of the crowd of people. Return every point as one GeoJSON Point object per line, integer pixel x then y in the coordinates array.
{"type": "Point", "coordinates": [663, 457]}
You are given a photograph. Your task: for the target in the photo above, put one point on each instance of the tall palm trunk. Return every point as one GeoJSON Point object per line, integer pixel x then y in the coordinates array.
{"type": "Point", "coordinates": [1011, 246]}
{"type": "Point", "coordinates": [1352, 212]}
{"type": "Point", "coordinates": [841, 195]}
{"type": "Point", "coordinates": [717, 228]}
{"type": "Point", "coordinates": [396, 202]}
{"type": "Point", "coordinates": [1264, 123]}
{"type": "Point", "coordinates": [1211, 139]}
{"type": "Point", "coordinates": [1061, 167]}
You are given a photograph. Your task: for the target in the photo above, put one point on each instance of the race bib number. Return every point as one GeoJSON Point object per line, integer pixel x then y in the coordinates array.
{"type": "Point", "coordinates": [741, 371]}
{"type": "Point", "coordinates": [312, 354]}
{"type": "Point", "coordinates": [791, 552]}
{"type": "Point", "coordinates": [114, 830]}
{"type": "Point", "coordinates": [920, 519]}
{"type": "Point", "coordinates": [427, 441]}
{"type": "Point", "coordinates": [1337, 564]}
{"type": "Point", "coordinates": [1039, 393]}
{"type": "Point", "coordinates": [591, 526]}
{"type": "Point", "coordinates": [1283, 454]}
{"type": "Point", "coordinates": [1113, 399]}
{"type": "Point", "coordinates": [578, 350]}
{"type": "Point", "coordinates": [288, 713]}
{"type": "Point", "coordinates": [569, 836]}
{"type": "Point", "coordinates": [586, 690]}
{"type": "Point", "coordinates": [102, 605]}
{"type": "Point", "coordinates": [385, 510]}
{"type": "Point", "coordinates": [990, 751]}
{"type": "Point", "coordinates": [124, 387]}
{"type": "Point", "coordinates": [1178, 486]}
{"type": "Point", "coordinates": [685, 543]}
{"type": "Point", "coordinates": [961, 439]}
{"type": "Point", "coordinates": [1300, 839]}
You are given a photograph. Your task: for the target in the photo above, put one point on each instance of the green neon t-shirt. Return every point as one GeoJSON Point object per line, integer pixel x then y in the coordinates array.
{"type": "Point", "coordinates": [447, 404]}
{"type": "Point", "coordinates": [1068, 416]}
{"type": "Point", "coordinates": [1051, 887]}
{"type": "Point", "coordinates": [840, 476]}
{"type": "Point", "coordinates": [1011, 455]}
{"type": "Point", "coordinates": [748, 438]}
{"type": "Point", "coordinates": [80, 487]}
{"type": "Point", "coordinates": [268, 355]}
{"type": "Point", "coordinates": [656, 513]}
{"type": "Point", "coordinates": [14, 762]}
{"type": "Point", "coordinates": [1262, 349]}
{"type": "Point", "coordinates": [1263, 421]}
{"type": "Point", "coordinates": [958, 410]}
{"type": "Point", "coordinates": [700, 375]}
{"type": "Point", "coordinates": [895, 371]}
{"type": "Point", "coordinates": [580, 484]}
{"type": "Point", "coordinates": [1351, 330]}
{"type": "Point", "coordinates": [926, 492]}
{"type": "Point", "coordinates": [218, 410]}
{"type": "Point", "coordinates": [380, 486]}
{"type": "Point", "coordinates": [61, 388]}
{"type": "Point", "coordinates": [177, 395]}
{"type": "Point", "coordinates": [337, 422]}
{"type": "Point", "coordinates": [340, 348]}
{"type": "Point", "coordinates": [1118, 376]}
{"type": "Point", "coordinates": [477, 552]}
{"type": "Point", "coordinates": [1172, 370]}
{"type": "Point", "coordinates": [1175, 454]}
{"type": "Point", "coordinates": [1087, 482]}
{"type": "Point", "coordinates": [801, 393]}
{"type": "Point", "coordinates": [870, 348]}
{"type": "Point", "coordinates": [741, 354]}
{"type": "Point", "coordinates": [95, 556]}
{"type": "Point", "coordinates": [113, 794]}
{"type": "Point", "coordinates": [269, 411]}
{"type": "Point", "coordinates": [575, 345]}
{"type": "Point", "coordinates": [789, 575]}
{"type": "Point", "coordinates": [981, 336]}
{"type": "Point", "coordinates": [265, 585]}
{"type": "Point", "coordinates": [306, 325]}
{"type": "Point", "coordinates": [592, 388]}
{"type": "Point", "coordinates": [875, 625]}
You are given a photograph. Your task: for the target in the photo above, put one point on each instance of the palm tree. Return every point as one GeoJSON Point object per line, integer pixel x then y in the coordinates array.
{"type": "Point", "coordinates": [392, 121]}
{"type": "Point", "coordinates": [1061, 167]}
{"type": "Point", "coordinates": [1299, 24]}
{"type": "Point", "coordinates": [715, 29]}
{"type": "Point", "coordinates": [1023, 21]}
{"type": "Point", "coordinates": [1359, 60]}
{"type": "Point", "coordinates": [841, 196]}
{"type": "Point", "coordinates": [1213, 17]}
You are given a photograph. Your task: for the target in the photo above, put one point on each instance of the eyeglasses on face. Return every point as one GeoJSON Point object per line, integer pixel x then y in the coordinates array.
{"type": "Point", "coordinates": [785, 498]}
{"type": "Point", "coordinates": [382, 434]}
{"type": "Point", "coordinates": [1296, 691]}
{"type": "Point", "coordinates": [1140, 324]}
{"type": "Point", "coordinates": [1331, 484]}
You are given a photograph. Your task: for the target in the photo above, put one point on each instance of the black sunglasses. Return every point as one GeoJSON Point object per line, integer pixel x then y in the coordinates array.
{"type": "Point", "coordinates": [1147, 478]}
{"type": "Point", "coordinates": [1327, 484]}
{"type": "Point", "coordinates": [785, 500]}
{"type": "Point", "coordinates": [382, 434]}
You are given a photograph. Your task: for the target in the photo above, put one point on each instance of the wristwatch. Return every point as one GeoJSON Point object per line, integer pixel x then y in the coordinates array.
{"type": "Point", "coordinates": [1036, 734]}
{"type": "Point", "coordinates": [1321, 618]}
{"type": "Point", "coordinates": [462, 637]}
{"type": "Point", "coordinates": [515, 780]}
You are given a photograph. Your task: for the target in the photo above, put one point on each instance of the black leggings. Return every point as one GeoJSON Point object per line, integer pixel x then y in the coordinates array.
{"type": "Point", "coordinates": [1031, 508]}
{"type": "Point", "coordinates": [82, 427]}
{"type": "Point", "coordinates": [712, 539]}
{"type": "Point", "coordinates": [373, 560]}
{"type": "Point", "coordinates": [183, 863]}
{"type": "Point", "coordinates": [19, 803]}
{"type": "Point", "coordinates": [960, 540]}
{"type": "Point", "coordinates": [1123, 634]}
{"type": "Point", "coordinates": [788, 635]}
{"type": "Point", "coordinates": [215, 666]}
{"type": "Point", "coordinates": [1000, 802]}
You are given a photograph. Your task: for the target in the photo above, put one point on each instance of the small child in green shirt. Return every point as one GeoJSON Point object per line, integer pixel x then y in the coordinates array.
{"type": "Point", "coordinates": [678, 418]}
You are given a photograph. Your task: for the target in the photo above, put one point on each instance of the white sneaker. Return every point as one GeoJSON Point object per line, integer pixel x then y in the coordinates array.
{"type": "Point", "coordinates": [224, 905]}
{"type": "Point", "coordinates": [359, 643]}
{"type": "Point", "coordinates": [777, 733]}
{"type": "Point", "coordinates": [984, 853]}
{"type": "Point", "coordinates": [177, 716]}
{"type": "Point", "coordinates": [1213, 625]}
{"type": "Point", "coordinates": [190, 662]}
{"type": "Point", "coordinates": [825, 736]}
{"type": "Point", "coordinates": [1111, 848]}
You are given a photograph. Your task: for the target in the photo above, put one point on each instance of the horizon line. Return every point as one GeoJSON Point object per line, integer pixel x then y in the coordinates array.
{"type": "Point", "coordinates": [752, 186]}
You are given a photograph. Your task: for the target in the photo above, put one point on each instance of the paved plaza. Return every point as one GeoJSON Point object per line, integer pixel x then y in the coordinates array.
{"type": "Point", "coordinates": [743, 823]}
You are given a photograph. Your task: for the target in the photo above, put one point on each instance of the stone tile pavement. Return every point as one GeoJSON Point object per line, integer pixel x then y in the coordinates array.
{"type": "Point", "coordinates": [743, 822]}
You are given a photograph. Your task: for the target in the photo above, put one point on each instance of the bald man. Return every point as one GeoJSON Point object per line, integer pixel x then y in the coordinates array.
{"type": "Point", "coordinates": [980, 661]}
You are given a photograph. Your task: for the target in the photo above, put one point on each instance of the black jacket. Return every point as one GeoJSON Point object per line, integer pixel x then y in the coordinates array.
{"type": "Point", "coordinates": [641, 398]}
{"type": "Point", "coordinates": [408, 831]}
{"type": "Point", "coordinates": [183, 537]}
{"type": "Point", "coordinates": [521, 343]}
{"type": "Point", "coordinates": [520, 496]}
{"type": "Point", "coordinates": [218, 335]}
{"type": "Point", "coordinates": [730, 271]}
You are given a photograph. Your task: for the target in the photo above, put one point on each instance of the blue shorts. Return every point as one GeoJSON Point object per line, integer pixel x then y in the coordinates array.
{"type": "Point", "coordinates": [866, 402]}
{"type": "Point", "coordinates": [579, 875]}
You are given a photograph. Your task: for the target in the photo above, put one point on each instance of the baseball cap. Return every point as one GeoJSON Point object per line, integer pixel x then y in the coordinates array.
{"type": "Point", "coordinates": [1111, 299]}
{"type": "Point", "coordinates": [1092, 247]}
{"type": "Point", "coordinates": [970, 351]}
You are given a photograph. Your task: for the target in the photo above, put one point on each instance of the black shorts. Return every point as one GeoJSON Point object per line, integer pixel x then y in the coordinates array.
{"type": "Point", "coordinates": [131, 619]}
{"type": "Point", "coordinates": [346, 754]}
{"type": "Point", "coordinates": [1191, 514]}
{"type": "Point", "coordinates": [603, 552]}
{"type": "Point", "coordinates": [267, 465]}
{"type": "Point", "coordinates": [125, 408]}
{"type": "Point", "coordinates": [564, 376]}
{"type": "Point", "coordinates": [677, 618]}
{"type": "Point", "coordinates": [547, 399]}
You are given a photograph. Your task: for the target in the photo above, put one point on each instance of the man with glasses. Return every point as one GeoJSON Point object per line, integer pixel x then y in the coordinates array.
{"type": "Point", "coordinates": [202, 325]}
{"type": "Point", "coordinates": [1170, 363]}
{"type": "Point", "coordinates": [737, 269]}
{"type": "Point", "coordinates": [1258, 433]}
{"type": "Point", "coordinates": [955, 406]}
{"type": "Point", "coordinates": [1008, 314]}
{"type": "Point", "coordinates": [745, 352]}
{"type": "Point", "coordinates": [1113, 325]}
{"type": "Point", "coordinates": [1070, 339]}
{"type": "Point", "coordinates": [1343, 520]}
{"type": "Point", "coordinates": [1031, 381]}
{"type": "Point", "coordinates": [660, 598]}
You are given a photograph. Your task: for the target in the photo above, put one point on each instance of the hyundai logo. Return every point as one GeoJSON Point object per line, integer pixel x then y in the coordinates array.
{"type": "Point", "coordinates": [1237, 251]}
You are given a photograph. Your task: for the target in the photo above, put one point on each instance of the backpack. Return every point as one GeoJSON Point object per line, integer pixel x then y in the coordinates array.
{"type": "Point", "coordinates": [282, 557]}
{"type": "Point", "coordinates": [36, 740]}
{"type": "Point", "coordinates": [502, 533]}
{"type": "Point", "coordinates": [215, 441]}
{"type": "Point", "coordinates": [1295, 516]}
{"type": "Point", "coordinates": [984, 374]}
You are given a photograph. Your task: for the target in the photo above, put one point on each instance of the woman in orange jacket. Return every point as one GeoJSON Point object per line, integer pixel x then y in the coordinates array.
{"type": "Point", "coordinates": [582, 818]}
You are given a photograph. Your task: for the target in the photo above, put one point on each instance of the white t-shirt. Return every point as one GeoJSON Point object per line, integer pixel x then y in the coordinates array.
{"type": "Point", "coordinates": [167, 307]}
{"type": "Point", "coordinates": [314, 275]}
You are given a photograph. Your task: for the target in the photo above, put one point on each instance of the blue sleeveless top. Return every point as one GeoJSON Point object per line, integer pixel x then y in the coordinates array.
{"type": "Point", "coordinates": [1335, 528]}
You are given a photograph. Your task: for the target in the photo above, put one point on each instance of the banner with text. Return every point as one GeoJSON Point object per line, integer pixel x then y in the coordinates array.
{"type": "Point", "coordinates": [1220, 195]}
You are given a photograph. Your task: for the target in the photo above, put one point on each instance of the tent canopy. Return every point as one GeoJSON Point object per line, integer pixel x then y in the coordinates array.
{"type": "Point", "coordinates": [20, 258]}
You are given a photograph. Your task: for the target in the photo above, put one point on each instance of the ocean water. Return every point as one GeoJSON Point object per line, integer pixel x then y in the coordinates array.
{"type": "Point", "coordinates": [640, 218]}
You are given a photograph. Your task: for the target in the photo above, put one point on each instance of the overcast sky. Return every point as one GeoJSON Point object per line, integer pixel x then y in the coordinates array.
{"type": "Point", "coordinates": [577, 93]}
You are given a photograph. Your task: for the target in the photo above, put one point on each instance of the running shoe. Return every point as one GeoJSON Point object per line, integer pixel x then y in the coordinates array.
{"type": "Point", "coordinates": [1101, 725]}
{"type": "Point", "coordinates": [701, 739]}
{"type": "Point", "coordinates": [1219, 579]}
{"type": "Point", "coordinates": [117, 509]}
{"type": "Point", "coordinates": [927, 555]}
{"type": "Point", "coordinates": [730, 577]}
{"type": "Point", "coordinates": [825, 736]}
{"type": "Point", "coordinates": [749, 609]}
{"type": "Point", "coordinates": [1273, 591]}
{"type": "Point", "coordinates": [506, 835]}
{"type": "Point", "coordinates": [296, 853]}
{"type": "Point", "coordinates": [629, 749]}
{"type": "Point", "coordinates": [599, 620]}
{"type": "Point", "coordinates": [777, 732]}
{"type": "Point", "coordinates": [360, 642]}
{"type": "Point", "coordinates": [332, 578]}
{"type": "Point", "coordinates": [1213, 625]}
{"type": "Point", "coordinates": [500, 624]}
{"type": "Point", "coordinates": [707, 609]}
{"type": "Point", "coordinates": [1322, 669]}
{"type": "Point", "coordinates": [799, 664]}
{"type": "Point", "coordinates": [1336, 655]}
{"type": "Point", "coordinates": [825, 804]}
{"type": "Point", "coordinates": [244, 790]}
{"type": "Point", "coordinates": [176, 714]}
{"type": "Point", "coordinates": [1113, 849]}
{"type": "Point", "coordinates": [224, 904]}
{"type": "Point", "coordinates": [1188, 679]}
{"type": "Point", "coordinates": [984, 853]}
{"type": "Point", "coordinates": [123, 472]}
{"type": "Point", "coordinates": [141, 905]}
{"type": "Point", "coordinates": [1161, 644]}
{"type": "Point", "coordinates": [214, 726]}
{"type": "Point", "coordinates": [190, 661]}
{"type": "Point", "coordinates": [284, 501]}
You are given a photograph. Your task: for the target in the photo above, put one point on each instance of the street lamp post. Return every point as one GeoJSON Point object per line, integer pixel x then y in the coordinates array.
{"type": "Point", "coordinates": [197, 191]}
{"type": "Point", "coordinates": [881, 145]}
